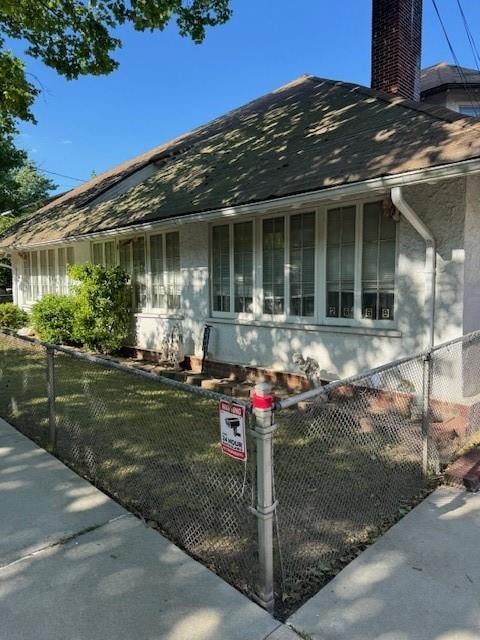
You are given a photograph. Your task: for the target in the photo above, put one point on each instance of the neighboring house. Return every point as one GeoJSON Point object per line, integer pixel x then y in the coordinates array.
{"type": "Point", "coordinates": [323, 218]}
{"type": "Point", "coordinates": [456, 88]}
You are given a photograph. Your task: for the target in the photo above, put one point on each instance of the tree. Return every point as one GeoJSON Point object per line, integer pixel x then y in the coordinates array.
{"type": "Point", "coordinates": [77, 38]}
{"type": "Point", "coordinates": [23, 188]}
{"type": "Point", "coordinates": [11, 159]}
{"type": "Point", "coordinates": [31, 188]}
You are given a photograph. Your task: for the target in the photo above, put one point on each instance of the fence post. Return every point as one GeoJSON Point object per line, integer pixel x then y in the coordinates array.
{"type": "Point", "coordinates": [427, 389]}
{"type": "Point", "coordinates": [262, 401]}
{"type": "Point", "coordinates": [52, 417]}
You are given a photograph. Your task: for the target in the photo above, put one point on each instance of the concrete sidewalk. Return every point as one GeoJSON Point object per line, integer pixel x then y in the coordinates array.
{"type": "Point", "coordinates": [420, 581]}
{"type": "Point", "coordinates": [74, 565]}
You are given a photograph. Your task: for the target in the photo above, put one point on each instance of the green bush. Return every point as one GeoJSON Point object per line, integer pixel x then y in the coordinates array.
{"type": "Point", "coordinates": [12, 316]}
{"type": "Point", "coordinates": [52, 318]}
{"type": "Point", "coordinates": [102, 306]}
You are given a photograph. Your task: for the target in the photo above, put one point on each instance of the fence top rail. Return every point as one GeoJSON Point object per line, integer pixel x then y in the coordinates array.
{"type": "Point", "coordinates": [113, 364]}
{"type": "Point", "coordinates": [335, 384]}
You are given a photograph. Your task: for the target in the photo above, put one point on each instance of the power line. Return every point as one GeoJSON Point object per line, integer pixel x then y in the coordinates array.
{"type": "Point", "coordinates": [62, 175]}
{"type": "Point", "coordinates": [455, 59]}
{"type": "Point", "coordinates": [470, 37]}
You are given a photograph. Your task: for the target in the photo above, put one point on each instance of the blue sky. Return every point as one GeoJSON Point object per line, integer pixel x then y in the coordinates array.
{"type": "Point", "coordinates": [166, 85]}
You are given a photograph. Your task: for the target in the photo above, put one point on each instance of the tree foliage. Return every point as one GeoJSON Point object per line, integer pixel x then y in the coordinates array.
{"type": "Point", "coordinates": [79, 38]}
{"type": "Point", "coordinates": [23, 187]}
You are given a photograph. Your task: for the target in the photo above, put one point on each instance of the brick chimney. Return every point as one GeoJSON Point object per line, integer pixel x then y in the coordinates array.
{"type": "Point", "coordinates": [397, 46]}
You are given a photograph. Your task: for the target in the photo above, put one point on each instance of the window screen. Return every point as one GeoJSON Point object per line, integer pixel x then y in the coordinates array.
{"type": "Point", "coordinates": [172, 269]}
{"type": "Point", "coordinates": [138, 273]}
{"type": "Point", "coordinates": [62, 271]}
{"type": "Point", "coordinates": [378, 263]}
{"type": "Point", "coordinates": [274, 266]}
{"type": "Point", "coordinates": [340, 262]}
{"type": "Point", "coordinates": [97, 253]}
{"type": "Point", "coordinates": [243, 266]}
{"type": "Point", "coordinates": [221, 268]}
{"type": "Point", "coordinates": [156, 270]}
{"type": "Point", "coordinates": [302, 264]}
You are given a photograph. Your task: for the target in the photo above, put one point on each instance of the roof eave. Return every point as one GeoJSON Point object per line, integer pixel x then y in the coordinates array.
{"type": "Point", "coordinates": [372, 186]}
{"type": "Point", "coordinates": [447, 87]}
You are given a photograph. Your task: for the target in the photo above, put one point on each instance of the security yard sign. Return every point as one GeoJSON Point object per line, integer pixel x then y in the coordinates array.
{"type": "Point", "coordinates": [232, 430]}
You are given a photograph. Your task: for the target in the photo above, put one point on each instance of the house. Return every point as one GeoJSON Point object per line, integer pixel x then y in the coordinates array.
{"type": "Point", "coordinates": [325, 218]}
{"type": "Point", "coordinates": [457, 88]}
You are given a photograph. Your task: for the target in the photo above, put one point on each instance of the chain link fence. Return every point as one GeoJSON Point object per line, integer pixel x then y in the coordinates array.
{"type": "Point", "coordinates": [151, 443]}
{"type": "Point", "coordinates": [327, 470]}
{"type": "Point", "coordinates": [360, 452]}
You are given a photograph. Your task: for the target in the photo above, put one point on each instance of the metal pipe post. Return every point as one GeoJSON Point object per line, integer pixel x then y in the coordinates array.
{"type": "Point", "coordinates": [52, 416]}
{"type": "Point", "coordinates": [262, 402]}
{"type": "Point", "coordinates": [427, 389]}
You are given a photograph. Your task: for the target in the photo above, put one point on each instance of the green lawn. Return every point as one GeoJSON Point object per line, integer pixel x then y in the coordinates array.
{"type": "Point", "coordinates": [156, 449]}
{"type": "Point", "coordinates": [152, 447]}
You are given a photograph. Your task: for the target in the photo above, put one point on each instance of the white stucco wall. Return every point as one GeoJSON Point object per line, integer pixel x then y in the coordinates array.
{"type": "Point", "coordinates": [448, 208]}
{"type": "Point", "coordinates": [339, 350]}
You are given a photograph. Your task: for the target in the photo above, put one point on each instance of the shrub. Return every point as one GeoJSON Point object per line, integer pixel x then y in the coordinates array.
{"type": "Point", "coordinates": [12, 316]}
{"type": "Point", "coordinates": [52, 318]}
{"type": "Point", "coordinates": [102, 306]}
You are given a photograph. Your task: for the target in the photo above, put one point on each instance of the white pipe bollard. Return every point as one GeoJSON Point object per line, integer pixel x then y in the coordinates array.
{"type": "Point", "coordinates": [262, 404]}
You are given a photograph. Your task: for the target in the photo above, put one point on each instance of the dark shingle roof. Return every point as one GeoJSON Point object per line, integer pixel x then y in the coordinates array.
{"type": "Point", "coordinates": [307, 135]}
{"type": "Point", "coordinates": [442, 75]}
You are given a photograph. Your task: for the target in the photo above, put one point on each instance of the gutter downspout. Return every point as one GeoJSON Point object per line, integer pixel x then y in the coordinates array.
{"type": "Point", "coordinates": [430, 258]}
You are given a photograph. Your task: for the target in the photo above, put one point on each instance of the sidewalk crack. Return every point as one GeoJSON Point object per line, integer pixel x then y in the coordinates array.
{"type": "Point", "coordinates": [65, 540]}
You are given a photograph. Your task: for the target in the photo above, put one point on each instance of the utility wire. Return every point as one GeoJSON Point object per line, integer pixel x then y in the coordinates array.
{"type": "Point", "coordinates": [62, 175]}
{"type": "Point", "coordinates": [455, 59]}
{"type": "Point", "coordinates": [471, 39]}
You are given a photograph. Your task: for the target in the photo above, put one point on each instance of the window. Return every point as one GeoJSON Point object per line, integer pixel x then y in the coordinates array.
{"type": "Point", "coordinates": [132, 260]}
{"type": "Point", "coordinates": [34, 273]}
{"type": "Point", "coordinates": [45, 272]}
{"type": "Point", "coordinates": [62, 272]}
{"type": "Point", "coordinates": [232, 268]}
{"type": "Point", "coordinates": [27, 277]}
{"type": "Point", "coordinates": [302, 265]}
{"type": "Point", "coordinates": [97, 253]}
{"type": "Point", "coordinates": [378, 263]}
{"type": "Point", "coordinates": [157, 269]}
{"type": "Point", "coordinates": [221, 268]}
{"type": "Point", "coordinates": [104, 253]}
{"type": "Point", "coordinates": [332, 266]}
{"type": "Point", "coordinates": [51, 272]}
{"type": "Point", "coordinates": [172, 270]}
{"type": "Point", "coordinates": [165, 271]}
{"type": "Point", "coordinates": [340, 262]}
{"type": "Point", "coordinates": [243, 267]}
{"type": "Point", "coordinates": [273, 260]}
{"type": "Point", "coordinates": [469, 110]}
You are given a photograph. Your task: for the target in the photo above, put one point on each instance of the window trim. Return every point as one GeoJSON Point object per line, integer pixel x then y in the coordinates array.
{"type": "Point", "coordinates": [50, 287]}
{"type": "Point", "coordinates": [357, 320]}
{"type": "Point", "coordinates": [320, 317]}
{"type": "Point", "coordinates": [149, 279]}
{"type": "Point", "coordinates": [148, 308]}
{"type": "Point", "coordinates": [242, 315]}
{"type": "Point", "coordinates": [276, 317]}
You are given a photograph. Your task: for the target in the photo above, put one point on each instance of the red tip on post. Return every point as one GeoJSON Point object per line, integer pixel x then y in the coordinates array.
{"type": "Point", "coordinates": [262, 402]}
